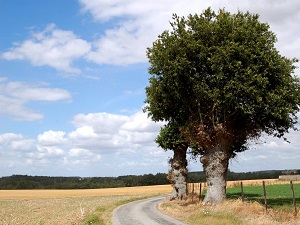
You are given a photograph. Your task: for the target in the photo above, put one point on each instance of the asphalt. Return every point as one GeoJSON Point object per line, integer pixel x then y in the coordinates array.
{"type": "Point", "coordinates": [143, 212]}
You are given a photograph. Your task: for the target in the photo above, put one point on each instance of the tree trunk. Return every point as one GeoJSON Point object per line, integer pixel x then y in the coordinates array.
{"type": "Point", "coordinates": [215, 165]}
{"type": "Point", "coordinates": [179, 173]}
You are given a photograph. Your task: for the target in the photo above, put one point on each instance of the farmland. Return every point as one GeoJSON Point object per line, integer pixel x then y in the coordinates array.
{"type": "Point", "coordinates": [68, 206]}
{"type": "Point", "coordinates": [96, 205]}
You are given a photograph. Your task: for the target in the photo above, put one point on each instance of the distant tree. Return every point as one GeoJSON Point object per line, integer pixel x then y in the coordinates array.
{"type": "Point", "coordinates": [220, 78]}
{"type": "Point", "coordinates": [169, 138]}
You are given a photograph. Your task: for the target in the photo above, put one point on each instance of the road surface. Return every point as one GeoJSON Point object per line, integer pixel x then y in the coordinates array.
{"type": "Point", "coordinates": [143, 212]}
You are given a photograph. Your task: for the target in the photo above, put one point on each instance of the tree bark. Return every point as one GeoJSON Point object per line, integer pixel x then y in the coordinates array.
{"type": "Point", "coordinates": [179, 173]}
{"type": "Point", "coordinates": [215, 165]}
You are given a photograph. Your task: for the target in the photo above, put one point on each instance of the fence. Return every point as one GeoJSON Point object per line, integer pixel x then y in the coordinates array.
{"type": "Point", "coordinates": [196, 189]}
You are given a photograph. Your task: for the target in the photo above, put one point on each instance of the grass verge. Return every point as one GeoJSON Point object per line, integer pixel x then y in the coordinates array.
{"type": "Point", "coordinates": [234, 211]}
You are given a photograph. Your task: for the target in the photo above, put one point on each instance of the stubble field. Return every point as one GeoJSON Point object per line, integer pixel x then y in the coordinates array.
{"type": "Point", "coordinates": [69, 206]}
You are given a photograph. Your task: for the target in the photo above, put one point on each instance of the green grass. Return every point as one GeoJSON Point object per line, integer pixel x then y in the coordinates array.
{"type": "Point", "coordinates": [93, 219]}
{"type": "Point", "coordinates": [278, 196]}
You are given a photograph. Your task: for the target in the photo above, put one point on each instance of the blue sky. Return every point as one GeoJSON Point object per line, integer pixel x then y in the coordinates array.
{"type": "Point", "coordinates": [72, 85]}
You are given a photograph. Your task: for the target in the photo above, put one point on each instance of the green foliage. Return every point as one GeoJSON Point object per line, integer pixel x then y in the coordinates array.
{"type": "Point", "coordinates": [220, 73]}
{"type": "Point", "coordinates": [169, 137]}
{"type": "Point", "coordinates": [43, 182]}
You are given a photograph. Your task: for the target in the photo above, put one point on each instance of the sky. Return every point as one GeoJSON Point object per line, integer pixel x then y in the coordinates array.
{"type": "Point", "coordinates": [72, 85]}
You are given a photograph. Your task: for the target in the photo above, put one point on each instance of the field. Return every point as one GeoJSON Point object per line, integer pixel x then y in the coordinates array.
{"type": "Point", "coordinates": [278, 196]}
{"type": "Point", "coordinates": [93, 206]}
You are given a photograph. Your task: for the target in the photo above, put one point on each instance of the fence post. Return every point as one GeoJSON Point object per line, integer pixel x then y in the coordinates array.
{"type": "Point", "coordinates": [242, 190]}
{"type": "Point", "coordinates": [193, 192]}
{"type": "Point", "coordinates": [265, 195]}
{"type": "Point", "coordinates": [294, 200]}
{"type": "Point", "coordinates": [200, 191]}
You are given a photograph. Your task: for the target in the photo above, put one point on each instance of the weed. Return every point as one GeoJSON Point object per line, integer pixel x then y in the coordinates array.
{"type": "Point", "coordinates": [93, 219]}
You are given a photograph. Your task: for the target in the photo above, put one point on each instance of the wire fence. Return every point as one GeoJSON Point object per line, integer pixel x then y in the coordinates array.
{"type": "Point", "coordinates": [197, 190]}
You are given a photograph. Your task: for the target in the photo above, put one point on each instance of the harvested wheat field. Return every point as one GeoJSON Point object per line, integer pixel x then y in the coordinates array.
{"type": "Point", "coordinates": [69, 206]}
{"type": "Point", "coordinates": [12, 194]}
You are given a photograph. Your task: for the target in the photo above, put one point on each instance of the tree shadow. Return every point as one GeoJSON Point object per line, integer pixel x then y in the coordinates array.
{"type": "Point", "coordinates": [259, 198]}
{"type": "Point", "coordinates": [236, 195]}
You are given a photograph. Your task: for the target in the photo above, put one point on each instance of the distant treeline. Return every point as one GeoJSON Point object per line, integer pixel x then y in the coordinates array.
{"type": "Point", "coordinates": [44, 182]}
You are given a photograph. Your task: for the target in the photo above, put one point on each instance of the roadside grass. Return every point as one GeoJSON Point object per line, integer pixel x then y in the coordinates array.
{"type": "Point", "coordinates": [192, 212]}
{"type": "Point", "coordinates": [235, 212]}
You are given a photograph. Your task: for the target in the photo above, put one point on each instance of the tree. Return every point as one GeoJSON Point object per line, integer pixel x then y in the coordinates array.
{"type": "Point", "coordinates": [220, 78]}
{"type": "Point", "coordinates": [169, 138]}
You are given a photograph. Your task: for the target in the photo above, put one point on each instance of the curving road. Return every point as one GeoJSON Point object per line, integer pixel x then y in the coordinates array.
{"type": "Point", "coordinates": [143, 212]}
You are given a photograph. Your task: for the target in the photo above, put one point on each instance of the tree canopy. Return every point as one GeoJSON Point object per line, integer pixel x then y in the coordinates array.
{"type": "Point", "coordinates": [220, 79]}
{"type": "Point", "coordinates": [221, 71]}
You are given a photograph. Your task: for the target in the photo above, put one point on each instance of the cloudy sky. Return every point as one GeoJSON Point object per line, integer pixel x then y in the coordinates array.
{"type": "Point", "coordinates": [72, 85]}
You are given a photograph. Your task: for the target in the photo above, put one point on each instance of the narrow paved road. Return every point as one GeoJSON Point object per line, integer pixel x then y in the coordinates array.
{"type": "Point", "coordinates": [142, 212]}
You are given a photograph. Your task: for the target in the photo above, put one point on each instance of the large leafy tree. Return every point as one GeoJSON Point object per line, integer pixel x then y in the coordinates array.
{"type": "Point", "coordinates": [170, 138]}
{"type": "Point", "coordinates": [220, 78]}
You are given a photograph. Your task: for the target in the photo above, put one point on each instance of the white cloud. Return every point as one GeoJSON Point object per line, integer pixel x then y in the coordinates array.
{"type": "Point", "coordinates": [111, 133]}
{"type": "Point", "coordinates": [51, 47]}
{"type": "Point", "coordinates": [15, 95]}
{"type": "Point", "coordinates": [52, 138]}
{"type": "Point", "coordinates": [82, 157]}
{"type": "Point", "coordinates": [96, 138]}
{"type": "Point", "coordinates": [138, 23]}
{"type": "Point", "coordinates": [274, 153]}
{"type": "Point", "coordinates": [10, 142]}
{"type": "Point", "coordinates": [141, 23]}
{"type": "Point", "coordinates": [133, 25]}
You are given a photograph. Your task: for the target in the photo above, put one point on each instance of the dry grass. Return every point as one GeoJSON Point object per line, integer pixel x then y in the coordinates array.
{"type": "Point", "coordinates": [231, 212]}
{"type": "Point", "coordinates": [67, 206]}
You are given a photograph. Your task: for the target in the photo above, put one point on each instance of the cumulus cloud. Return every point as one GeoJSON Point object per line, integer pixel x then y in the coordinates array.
{"type": "Point", "coordinates": [138, 23]}
{"type": "Point", "coordinates": [273, 151]}
{"type": "Point", "coordinates": [97, 139]}
{"type": "Point", "coordinates": [109, 133]}
{"type": "Point", "coordinates": [52, 138]}
{"type": "Point", "coordinates": [15, 142]}
{"type": "Point", "coordinates": [134, 25]}
{"type": "Point", "coordinates": [141, 22]}
{"type": "Point", "coordinates": [15, 95]}
{"type": "Point", "coordinates": [51, 47]}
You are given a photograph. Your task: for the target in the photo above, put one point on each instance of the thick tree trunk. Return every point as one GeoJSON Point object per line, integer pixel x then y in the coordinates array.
{"type": "Point", "coordinates": [179, 173]}
{"type": "Point", "coordinates": [215, 165]}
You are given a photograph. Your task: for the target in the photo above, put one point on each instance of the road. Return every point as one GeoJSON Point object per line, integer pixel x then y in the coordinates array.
{"type": "Point", "coordinates": [143, 212]}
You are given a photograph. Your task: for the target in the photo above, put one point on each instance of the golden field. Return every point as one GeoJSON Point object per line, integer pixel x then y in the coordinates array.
{"type": "Point", "coordinates": [29, 194]}
{"type": "Point", "coordinates": [63, 207]}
